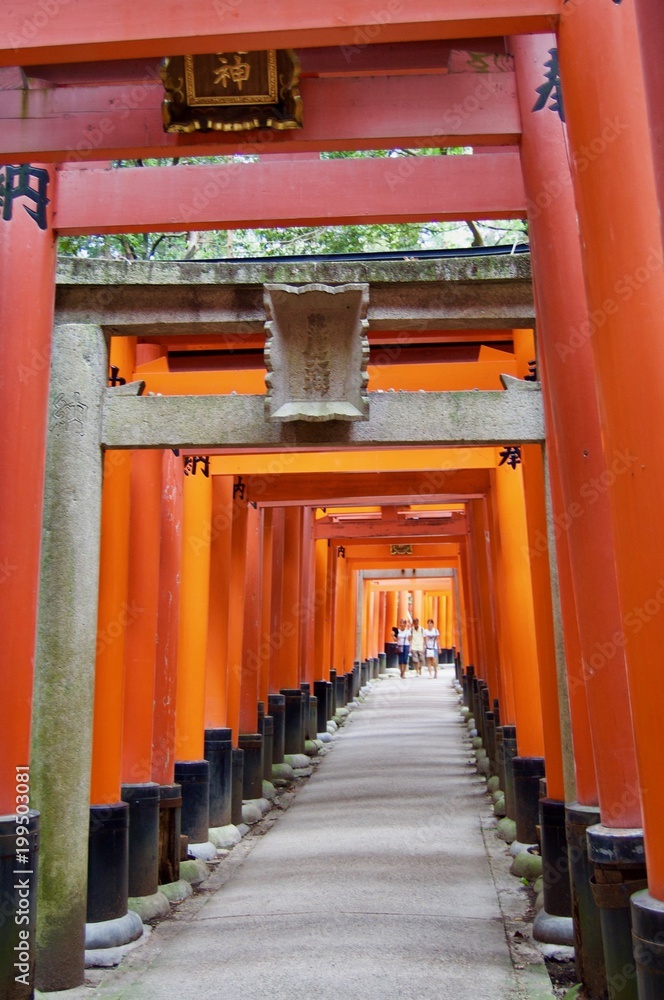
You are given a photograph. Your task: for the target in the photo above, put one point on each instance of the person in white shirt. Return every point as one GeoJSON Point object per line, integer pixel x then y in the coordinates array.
{"type": "Point", "coordinates": [403, 645]}
{"type": "Point", "coordinates": [417, 646]}
{"type": "Point", "coordinates": [431, 637]}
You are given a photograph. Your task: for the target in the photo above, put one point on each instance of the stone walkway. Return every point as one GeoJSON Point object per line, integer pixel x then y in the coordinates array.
{"type": "Point", "coordinates": [382, 880]}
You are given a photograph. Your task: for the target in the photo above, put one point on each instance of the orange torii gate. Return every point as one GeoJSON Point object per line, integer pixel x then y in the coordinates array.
{"type": "Point", "coordinates": [617, 195]}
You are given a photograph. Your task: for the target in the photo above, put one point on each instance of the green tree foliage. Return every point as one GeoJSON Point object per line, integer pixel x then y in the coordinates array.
{"type": "Point", "coordinates": [229, 244]}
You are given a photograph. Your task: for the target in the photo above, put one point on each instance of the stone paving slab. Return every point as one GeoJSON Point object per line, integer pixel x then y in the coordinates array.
{"type": "Point", "coordinates": [382, 880]}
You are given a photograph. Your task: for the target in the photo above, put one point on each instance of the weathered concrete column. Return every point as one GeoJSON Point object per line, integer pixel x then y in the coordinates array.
{"type": "Point", "coordinates": [65, 654]}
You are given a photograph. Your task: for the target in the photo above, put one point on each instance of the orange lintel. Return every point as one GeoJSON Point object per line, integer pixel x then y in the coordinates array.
{"type": "Point", "coordinates": [318, 192]}
{"type": "Point", "coordinates": [123, 121]}
{"type": "Point", "coordinates": [95, 31]}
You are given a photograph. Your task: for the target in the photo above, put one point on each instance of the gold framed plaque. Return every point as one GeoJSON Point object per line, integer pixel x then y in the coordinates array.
{"type": "Point", "coordinates": [232, 91]}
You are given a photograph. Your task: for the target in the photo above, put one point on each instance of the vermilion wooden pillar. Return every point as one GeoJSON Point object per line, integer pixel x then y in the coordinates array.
{"type": "Point", "coordinates": [216, 670]}
{"type": "Point", "coordinates": [545, 638]}
{"type": "Point", "coordinates": [487, 623]}
{"type": "Point", "coordinates": [112, 618]}
{"type": "Point", "coordinates": [168, 618]}
{"type": "Point", "coordinates": [650, 19]}
{"type": "Point", "coordinates": [265, 648]}
{"type": "Point", "coordinates": [289, 626]}
{"type": "Point", "coordinates": [277, 680]}
{"type": "Point", "coordinates": [404, 610]}
{"type": "Point", "coordinates": [391, 615]}
{"type": "Point", "coordinates": [142, 608]}
{"type": "Point", "coordinates": [568, 376]}
{"type": "Point", "coordinates": [340, 611]}
{"type": "Point", "coordinates": [623, 260]}
{"type": "Point", "coordinates": [382, 614]}
{"type": "Point", "coordinates": [112, 621]}
{"type": "Point", "coordinates": [584, 758]}
{"type": "Point", "coordinates": [321, 610]}
{"type": "Point", "coordinates": [365, 638]}
{"type": "Point", "coordinates": [623, 266]}
{"type": "Point", "coordinates": [237, 570]}
{"type": "Point", "coordinates": [193, 626]}
{"type": "Point", "coordinates": [306, 606]}
{"type": "Point", "coordinates": [250, 676]}
{"type": "Point", "coordinates": [514, 587]}
{"type": "Point", "coordinates": [27, 294]}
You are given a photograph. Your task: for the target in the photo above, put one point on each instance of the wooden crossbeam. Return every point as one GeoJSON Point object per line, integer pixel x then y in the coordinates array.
{"type": "Point", "coordinates": [389, 531]}
{"type": "Point", "coordinates": [313, 192]}
{"type": "Point", "coordinates": [123, 121]}
{"type": "Point", "coordinates": [53, 31]}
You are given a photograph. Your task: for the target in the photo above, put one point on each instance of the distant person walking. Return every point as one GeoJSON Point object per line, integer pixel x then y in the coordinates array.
{"type": "Point", "coordinates": [403, 646]}
{"type": "Point", "coordinates": [431, 639]}
{"type": "Point", "coordinates": [417, 646]}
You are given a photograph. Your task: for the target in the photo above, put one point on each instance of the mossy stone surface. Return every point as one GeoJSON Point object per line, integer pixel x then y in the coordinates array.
{"type": "Point", "coordinates": [527, 865]}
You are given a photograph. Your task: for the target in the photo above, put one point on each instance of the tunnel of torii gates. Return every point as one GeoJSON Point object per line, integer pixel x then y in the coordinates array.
{"type": "Point", "coordinates": [224, 558]}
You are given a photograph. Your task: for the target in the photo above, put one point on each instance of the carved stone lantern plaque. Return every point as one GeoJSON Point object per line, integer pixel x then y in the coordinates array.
{"type": "Point", "coordinates": [316, 352]}
{"type": "Point", "coordinates": [232, 91]}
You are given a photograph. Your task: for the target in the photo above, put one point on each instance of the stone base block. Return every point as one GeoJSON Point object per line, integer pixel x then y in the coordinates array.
{"type": "Point", "coordinates": [553, 930]}
{"type": "Point", "coordinates": [152, 907]}
{"type": "Point", "coordinates": [224, 837]}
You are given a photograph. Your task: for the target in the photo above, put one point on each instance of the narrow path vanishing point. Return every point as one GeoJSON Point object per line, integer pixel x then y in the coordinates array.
{"type": "Point", "coordinates": [376, 883]}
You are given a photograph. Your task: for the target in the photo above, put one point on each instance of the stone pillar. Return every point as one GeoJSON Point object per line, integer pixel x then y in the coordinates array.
{"type": "Point", "coordinates": [65, 654]}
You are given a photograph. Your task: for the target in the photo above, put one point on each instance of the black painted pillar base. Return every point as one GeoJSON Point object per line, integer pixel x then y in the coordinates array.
{"type": "Point", "coordinates": [340, 700]}
{"type": "Point", "coordinates": [527, 772]}
{"type": "Point", "coordinates": [509, 753]}
{"type": "Point", "coordinates": [294, 728]}
{"type": "Point", "coordinates": [332, 705]}
{"type": "Point", "coordinates": [321, 691]}
{"type": "Point", "coordinates": [313, 717]}
{"type": "Point", "coordinates": [194, 777]}
{"type": "Point", "coordinates": [382, 664]}
{"type": "Point", "coordinates": [108, 859]}
{"type": "Point", "coordinates": [252, 779]}
{"type": "Point", "coordinates": [19, 840]}
{"type": "Point", "coordinates": [267, 732]}
{"type": "Point", "coordinates": [588, 946]}
{"type": "Point", "coordinates": [304, 688]}
{"type": "Point", "coordinates": [276, 704]}
{"type": "Point", "coordinates": [143, 869]}
{"type": "Point", "coordinates": [648, 944]}
{"type": "Point", "coordinates": [555, 860]}
{"type": "Point", "coordinates": [217, 749]}
{"type": "Point", "coordinates": [170, 829]}
{"type": "Point", "coordinates": [237, 760]}
{"type": "Point", "coordinates": [618, 860]}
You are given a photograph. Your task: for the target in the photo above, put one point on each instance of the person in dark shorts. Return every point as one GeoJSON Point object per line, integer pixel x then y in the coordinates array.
{"type": "Point", "coordinates": [403, 646]}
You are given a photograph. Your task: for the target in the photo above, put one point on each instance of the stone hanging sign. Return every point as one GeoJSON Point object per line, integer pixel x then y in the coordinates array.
{"type": "Point", "coordinates": [316, 352]}
{"type": "Point", "coordinates": [232, 91]}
